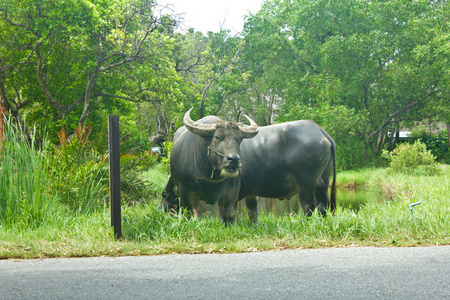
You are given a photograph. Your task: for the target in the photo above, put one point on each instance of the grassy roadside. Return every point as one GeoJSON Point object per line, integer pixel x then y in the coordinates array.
{"type": "Point", "coordinates": [149, 231]}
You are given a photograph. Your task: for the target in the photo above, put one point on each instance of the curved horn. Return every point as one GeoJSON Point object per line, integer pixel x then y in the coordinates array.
{"type": "Point", "coordinates": [251, 130]}
{"type": "Point", "coordinates": [198, 128]}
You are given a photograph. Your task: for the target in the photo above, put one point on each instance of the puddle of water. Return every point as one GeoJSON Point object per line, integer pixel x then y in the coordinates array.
{"type": "Point", "coordinates": [349, 198]}
{"type": "Point", "coordinates": [354, 198]}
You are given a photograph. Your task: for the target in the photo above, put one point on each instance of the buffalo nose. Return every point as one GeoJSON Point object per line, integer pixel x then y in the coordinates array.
{"type": "Point", "coordinates": [234, 160]}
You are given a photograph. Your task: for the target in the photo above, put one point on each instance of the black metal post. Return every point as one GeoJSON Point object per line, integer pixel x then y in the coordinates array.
{"type": "Point", "coordinates": [114, 175]}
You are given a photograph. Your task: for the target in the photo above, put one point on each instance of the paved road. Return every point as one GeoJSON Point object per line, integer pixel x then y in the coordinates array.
{"type": "Point", "coordinates": [342, 273]}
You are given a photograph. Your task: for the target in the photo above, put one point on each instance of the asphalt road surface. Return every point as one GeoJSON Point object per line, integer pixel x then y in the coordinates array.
{"type": "Point", "coordinates": [340, 273]}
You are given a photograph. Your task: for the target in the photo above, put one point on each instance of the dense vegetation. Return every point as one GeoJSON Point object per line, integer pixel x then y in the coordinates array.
{"type": "Point", "coordinates": [52, 206]}
{"type": "Point", "coordinates": [361, 70]}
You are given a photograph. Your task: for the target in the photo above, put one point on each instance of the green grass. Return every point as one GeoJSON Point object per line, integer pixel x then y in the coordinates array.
{"type": "Point", "coordinates": [148, 231]}
{"type": "Point", "coordinates": [357, 178]}
{"type": "Point", "coordinates": [158, 176]}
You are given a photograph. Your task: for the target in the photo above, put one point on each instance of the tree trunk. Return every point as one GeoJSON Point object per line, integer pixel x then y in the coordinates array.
{"type": "Point", "coordinates": [87, 94]}
{"type": "Point", "coordinates": [379, 142]}
{"type": "Point", "coordinates": [2, 123]}
{"type": "Point", "coordinates": [395, 138]}
{"type": "Point", "coordinates": [448, 133]}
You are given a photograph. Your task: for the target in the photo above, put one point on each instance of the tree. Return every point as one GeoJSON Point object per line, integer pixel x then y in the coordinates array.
{"type": "Point", "coordinates": [15, 53]}
{"type": "Point", "coordinates": [210, 66]}
{"type": "Point", "coordinates": [357, 54]}
{"type": "Point", "coordinates": [84, 55]}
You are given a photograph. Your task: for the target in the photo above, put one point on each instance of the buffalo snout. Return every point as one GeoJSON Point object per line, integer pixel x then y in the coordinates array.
{"type": "Point", "coordinates": [234, 161]}
{"type": "Point", "coordinates": [170, 201]}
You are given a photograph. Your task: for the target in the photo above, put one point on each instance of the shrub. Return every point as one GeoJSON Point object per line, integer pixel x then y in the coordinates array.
{"type": "Point", "coordinates": [80, 175]}
{"type": "Point", "coordinates": [436, 143]}
{"type": "Point", "coordinates": [134, 185]}
{"type": "Point", "coordinates": [412, 159]}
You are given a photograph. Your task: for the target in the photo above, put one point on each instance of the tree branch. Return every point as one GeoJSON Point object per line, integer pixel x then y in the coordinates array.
{"type": "Point", "coordinates": [126, 98]}
{"type": "Point", "coordinates": [62, 110]}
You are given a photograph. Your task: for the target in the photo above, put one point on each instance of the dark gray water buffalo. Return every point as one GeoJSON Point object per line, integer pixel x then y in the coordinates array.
{"type": "Point", "coordinates": [205, 164]}
{"type": "Point", "coordinates": [286, 159]}
{"type": "Point", "coordinates": [281, 161]}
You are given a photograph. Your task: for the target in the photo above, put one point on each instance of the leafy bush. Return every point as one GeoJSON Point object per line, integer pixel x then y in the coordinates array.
{"type": "Point", "coordinates": [80, 175]}
{"type": "Point", "coordinates": [412, 159]}
{"type": "Point", "coordinates": [133, 184]}
{"type": "Point", "coordinates": [133, 138]}
{"type": "Point", "coordinates": [436, 143]}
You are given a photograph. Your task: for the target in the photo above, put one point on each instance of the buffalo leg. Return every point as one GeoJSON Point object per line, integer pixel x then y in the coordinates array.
{"type": "Point", "coordinates": [191, 203]}
{"type": "Point", "coordinates": [196, 209]}
{"type": "Point", "coordinates": [169, 197]}
{"type": "Point", "coordinates": [252, 208]}
{"type": "Point", "coordinates": [322, 197]}
{"type": "Point", "coordinates": [306, 195]}
{"type": "Point", "coordinates": [227, 212]}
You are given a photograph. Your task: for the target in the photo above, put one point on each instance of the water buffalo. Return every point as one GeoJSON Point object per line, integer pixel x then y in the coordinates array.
{"type": "Point", "coordinates": [287, 159]}
{"type": "Point", "coordinates": [281, 161]}
{"type": "Point", "coordinates": [205, 164]}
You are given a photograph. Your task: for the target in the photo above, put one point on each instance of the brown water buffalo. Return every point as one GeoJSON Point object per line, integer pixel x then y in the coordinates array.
{"type": "Point", "coordinates": [283, 160]}
{"type": "Point", "coordinates": [205, 164]}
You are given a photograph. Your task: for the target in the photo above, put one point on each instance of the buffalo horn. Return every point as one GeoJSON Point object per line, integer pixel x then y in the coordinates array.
{"type": "Point", "coordinates": [197, 128]}
{"type": "Point", "coordinates": [251, 130]}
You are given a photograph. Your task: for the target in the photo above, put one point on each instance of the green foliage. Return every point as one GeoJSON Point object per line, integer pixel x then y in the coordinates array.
{"type": "Point", "coordinates": [133, 184]}
{"type": "Point", "coordinates": [210, 67]}
{"type": "Point", "coordinates": [25, 200]}
{"type": "Point", "coordinates": [80, 175]}
{"type": "Point", "coordinates": [71, 62]}
{"type": "Point", "coordinates": [167, 150]}
{"type": "Point", "coordinates": [38, 184]}
{"type": "Point", "coordinates": [389, 67]}
{"type": "Point", "coordinates": [412, 159]}
{"type": "Point", "coordinates": [157, 176]}
{"type": "Point", "coordinates": [133, 138]}
{"type": "Point", "coordinates": [437, 144]}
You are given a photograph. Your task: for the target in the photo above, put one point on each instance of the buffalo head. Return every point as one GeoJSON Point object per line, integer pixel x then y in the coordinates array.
{"type": "Point", "coordinates": [223, 141]}
{"type": "Point", "coordinates": [170, 200]}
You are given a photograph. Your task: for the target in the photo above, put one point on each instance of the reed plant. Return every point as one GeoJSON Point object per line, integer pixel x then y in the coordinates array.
{"type": "Point", "coordinates": [24, 197]}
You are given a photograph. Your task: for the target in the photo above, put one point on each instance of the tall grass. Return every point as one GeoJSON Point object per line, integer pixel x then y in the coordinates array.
{"type": "Point", "coordinates": [23, 181]}
{"type": "Point", "coordinates": [375, 224]}
{"type": "Point", "coordinates": [39, 182]}
{"type": "Point", "coordinates": [356, 178]}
